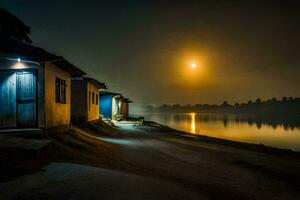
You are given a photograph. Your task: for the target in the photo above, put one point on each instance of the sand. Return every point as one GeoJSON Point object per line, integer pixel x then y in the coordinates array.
{"type": "Point", "coordinates": [153, 162]}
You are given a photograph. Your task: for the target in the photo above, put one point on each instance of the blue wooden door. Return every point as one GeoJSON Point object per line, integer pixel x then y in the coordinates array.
{"type": "Point", "coordinates": [105, 108]}
{"type": "Point", "coordinates": [8, 116]}
{"type": "Point", "coordinates": [26, 100]}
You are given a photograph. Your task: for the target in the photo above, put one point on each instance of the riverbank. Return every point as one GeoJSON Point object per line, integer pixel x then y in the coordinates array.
{"type": "Point", "coordinates": [154, 127]}
{"type": "Point", "coordinates": [247, 129]}
{"type": "Point", "coordinates": [152, 162]}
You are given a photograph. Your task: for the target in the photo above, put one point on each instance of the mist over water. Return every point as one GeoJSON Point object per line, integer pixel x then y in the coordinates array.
{"type": "Point", "coordinates": [277, 131]}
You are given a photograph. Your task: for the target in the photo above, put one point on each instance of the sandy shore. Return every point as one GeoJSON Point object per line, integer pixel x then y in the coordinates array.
{"type": "Point", "coordinates": [152, 162]}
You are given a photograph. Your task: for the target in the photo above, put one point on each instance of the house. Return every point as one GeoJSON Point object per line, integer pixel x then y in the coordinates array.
{"type": "Point", "coordinates": [110, 105]}
{"type": "Point", "coordinates": [125, 107]}
{"type": "Point", "coordinates": [35, 88]}
{"type": "Point", "coordinates": [85, 98]}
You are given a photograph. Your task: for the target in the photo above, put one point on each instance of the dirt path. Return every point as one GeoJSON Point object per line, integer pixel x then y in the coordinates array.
{"type": "Point", "coordinates": [72, 181]}
{"type": "Point", "coordinates": [157, 165]}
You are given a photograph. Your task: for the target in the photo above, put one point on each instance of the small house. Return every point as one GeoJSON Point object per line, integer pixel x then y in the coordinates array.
{"type": "Point", "coordinates": [35, 88]}
{"type": "Point", "coordinates": [125, 107]}
{"type": "Point", "coordinates": [110, 105]}
{"type": "Point", "coordinates": [85, 98]}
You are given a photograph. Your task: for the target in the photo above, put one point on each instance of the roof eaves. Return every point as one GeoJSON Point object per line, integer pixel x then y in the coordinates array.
{"type": "Point", "coordinates": [65, 65]}
{"type": "Point", "coordinates": [95, 82]}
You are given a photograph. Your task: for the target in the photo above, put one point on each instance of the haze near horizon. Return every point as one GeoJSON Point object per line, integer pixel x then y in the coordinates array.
{"type": "Point", "coordinates": [243, 50]}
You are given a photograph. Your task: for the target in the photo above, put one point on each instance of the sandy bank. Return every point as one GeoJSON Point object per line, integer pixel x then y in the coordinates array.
{"type": "Point", "coordinates": [162, 160]}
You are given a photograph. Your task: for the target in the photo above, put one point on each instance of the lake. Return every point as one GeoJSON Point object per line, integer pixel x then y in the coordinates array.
{"type": "Point", "coordinates": [279, 131]}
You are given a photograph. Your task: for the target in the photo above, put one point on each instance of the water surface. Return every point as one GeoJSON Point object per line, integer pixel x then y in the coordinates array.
{"type": "Point", "coordinates": [279, 131]}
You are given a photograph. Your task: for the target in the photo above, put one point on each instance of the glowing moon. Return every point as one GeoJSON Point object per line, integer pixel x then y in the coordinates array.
{"type": "Point", "coordinates": [193, 65]}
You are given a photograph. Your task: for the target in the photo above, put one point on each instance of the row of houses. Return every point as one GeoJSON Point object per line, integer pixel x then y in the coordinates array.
{"type": "Point", "coordinates": [42, 91]}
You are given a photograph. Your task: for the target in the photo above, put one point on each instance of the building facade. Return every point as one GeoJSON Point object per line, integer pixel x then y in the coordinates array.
{"type": "Point", "coordinates": [110, 105]}
{"type": "Point", "coordinates": [35, 88]}
{"type": "Point", "coordinates": [124, 110]}
{"type": "Point", "coordinates": [85, 98]}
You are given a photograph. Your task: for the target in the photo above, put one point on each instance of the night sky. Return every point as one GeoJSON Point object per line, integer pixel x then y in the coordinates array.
{"type": "Point", "coordinates": [144, 49]}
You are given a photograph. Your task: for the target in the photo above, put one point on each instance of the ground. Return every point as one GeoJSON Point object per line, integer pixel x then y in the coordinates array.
{"type": "Point", "coordinates": [152, 162]}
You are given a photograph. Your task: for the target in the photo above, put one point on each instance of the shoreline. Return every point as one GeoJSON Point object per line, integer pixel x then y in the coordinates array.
{"type": "Point", "coordinates": [223, 113]}
{"type": "Point", "coordinates": [207, 168]}
{"type": "Point", "coordinates": [237, 144]}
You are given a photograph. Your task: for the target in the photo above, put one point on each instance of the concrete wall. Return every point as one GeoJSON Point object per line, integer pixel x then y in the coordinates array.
{"type": "Point", "coordinates": [93, 108]}
{"type": "Point", "coordinates": [79, 102]}
{"type": "Point", "coordinates": [41, 96]}
{"type": "Point", "coordinates": [56, 114]}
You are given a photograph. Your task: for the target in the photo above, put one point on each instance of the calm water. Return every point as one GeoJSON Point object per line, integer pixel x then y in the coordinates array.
{"type": "Point", "coordinates": [283, 132]}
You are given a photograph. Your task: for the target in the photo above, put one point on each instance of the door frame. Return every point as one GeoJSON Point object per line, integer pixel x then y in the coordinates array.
{"type": "Point", "coordinates": [33, 71]}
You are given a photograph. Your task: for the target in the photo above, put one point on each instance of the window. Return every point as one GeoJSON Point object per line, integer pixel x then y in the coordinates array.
{"type": "Point", "coordinates": [93, 98]}
{"type": "Point", "coordinates": [60, 90]}
{"type": "Point", "coordinates": [89, 100]}
{"type": "Point", "coordinates": [96, 99]}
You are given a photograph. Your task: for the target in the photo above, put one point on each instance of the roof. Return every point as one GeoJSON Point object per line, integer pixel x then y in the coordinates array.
{"type": "Point", "coordinates": [29, 52]}
{"type": "Point", "coordinates": [93, 81]}
{"type": "Point", "coordinates": [102, 93]}
{"type": "Point", "coordinates": [68, 67]}
{"type": "Point", "coordinates": [126, 100]}
{"type": "Point", "coordinates": [96, 83]}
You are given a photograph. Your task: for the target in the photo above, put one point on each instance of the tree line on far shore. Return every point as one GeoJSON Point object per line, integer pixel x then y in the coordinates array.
{"type": "Point", "coordinates": [287, 105]}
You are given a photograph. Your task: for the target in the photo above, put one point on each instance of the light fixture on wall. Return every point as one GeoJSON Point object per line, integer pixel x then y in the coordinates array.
{"type": "Point", "coordinates": [19, 64]}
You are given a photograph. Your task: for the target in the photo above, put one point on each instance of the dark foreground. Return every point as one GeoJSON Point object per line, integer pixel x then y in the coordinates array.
{"type": "Point", "coordinates": [92, 162]}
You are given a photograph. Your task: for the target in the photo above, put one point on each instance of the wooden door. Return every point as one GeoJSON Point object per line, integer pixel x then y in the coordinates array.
{"type": "Point", "coordinates": [8, 114]}
{"type": "Point", "coordinates": [26, 100]}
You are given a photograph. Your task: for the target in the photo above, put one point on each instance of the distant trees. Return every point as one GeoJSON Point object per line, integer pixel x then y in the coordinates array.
{"type": "Point", "coordinates": [287, 105]}
{"type": "Point", "coordinates": [258, 101]}
{"type": "Point", "coordinates": [225, 104]}
{"type": "Point", "coordinates": [13, 28]}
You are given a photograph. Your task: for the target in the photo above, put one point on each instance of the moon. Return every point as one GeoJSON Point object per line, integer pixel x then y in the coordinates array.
{"type": "Point", "coordinates": [193, 65]}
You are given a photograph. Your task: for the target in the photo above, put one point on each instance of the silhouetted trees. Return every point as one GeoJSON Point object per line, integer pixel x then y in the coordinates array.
{"type": "Point", "coordinates": [287, 106]}
{"type": "Point", "coordinates": [13, 28]}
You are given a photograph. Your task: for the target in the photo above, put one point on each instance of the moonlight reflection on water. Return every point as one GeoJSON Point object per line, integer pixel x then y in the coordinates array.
{"type": "Point", "coordinates": [280, 131]}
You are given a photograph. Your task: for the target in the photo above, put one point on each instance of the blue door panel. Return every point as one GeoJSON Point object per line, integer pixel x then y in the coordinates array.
{"type": "Point", "coordinates": [105, 105]}
{"type": "Point", "coordinates": [8, 116]}
{"type": "Point", "coordinates": [26, 99]}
